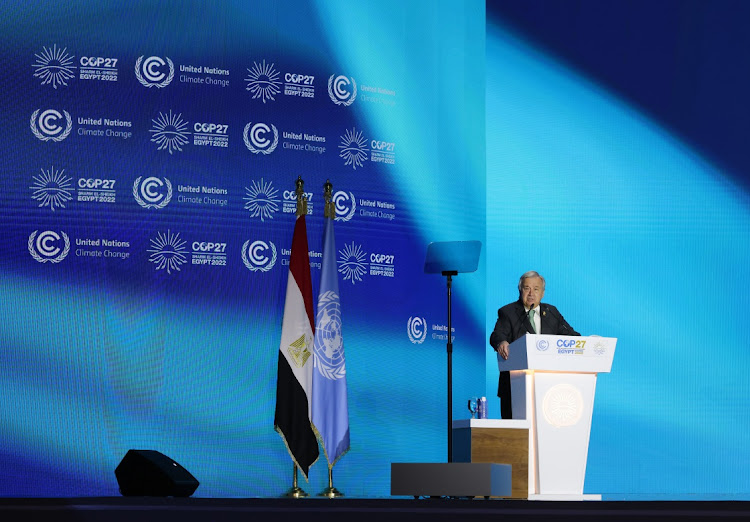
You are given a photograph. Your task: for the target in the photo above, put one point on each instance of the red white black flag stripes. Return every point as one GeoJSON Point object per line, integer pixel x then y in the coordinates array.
{"type": "Point", "coordinates": [294, 385]}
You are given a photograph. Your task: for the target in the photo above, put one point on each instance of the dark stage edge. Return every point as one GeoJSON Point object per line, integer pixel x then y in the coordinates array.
{"type": "Point", "coordinates": [141, 509]}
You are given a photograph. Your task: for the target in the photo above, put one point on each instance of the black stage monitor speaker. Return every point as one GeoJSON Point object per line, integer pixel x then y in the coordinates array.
{"type": "Point", "coordinates": [148, 473]}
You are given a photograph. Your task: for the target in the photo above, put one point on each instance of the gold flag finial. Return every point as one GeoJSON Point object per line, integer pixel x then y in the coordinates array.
{"type": "Point", "coordinates": [301, 198]}
{"type": "Point", "coordinates": [329, 210]}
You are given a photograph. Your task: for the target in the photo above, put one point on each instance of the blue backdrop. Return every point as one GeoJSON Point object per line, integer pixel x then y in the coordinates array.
{"type": "Point", "coordinates": [617, 168]}
{"type": "Point", "coordinates": [149, 151]}
{"type": "Point", "coordinates": [150, 154]}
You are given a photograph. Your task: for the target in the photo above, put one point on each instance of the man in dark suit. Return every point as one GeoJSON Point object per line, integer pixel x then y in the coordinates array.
{"type": "Point", "coordinates": [514, 320]}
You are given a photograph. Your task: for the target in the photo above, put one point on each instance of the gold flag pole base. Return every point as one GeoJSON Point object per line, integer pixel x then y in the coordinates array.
{"type": "Point", "coordinates": [330, 491]}
{"type": "Point", "coordinates": [295, 491]}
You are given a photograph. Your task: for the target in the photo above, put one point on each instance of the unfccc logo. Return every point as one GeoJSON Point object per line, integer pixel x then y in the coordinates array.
{"type": "Point", "coordinates": [416, 328]}
{"type": "Point", "coordinates": [257, 139]}
{"type": "Point", "coordinates": [345, 205]}
{"type": "Point", "coordinates": [259, 255]}
{"type": "Point", "coordinates": [150, 72]}
{"type": "Point", "coordinates": [542, 345]}
{"type": "Point", "coordinates": [151, 193]}
{"type": "Point", "coordinates": [47, 125]}
{"type": "Point", "coordinates": [342, 89]}
{"type": "Point", "coordinates": [46, 246]}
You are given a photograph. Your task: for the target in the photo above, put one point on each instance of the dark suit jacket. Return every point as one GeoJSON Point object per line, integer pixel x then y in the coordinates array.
{"type": "Point", "coordinates": [513, 323]}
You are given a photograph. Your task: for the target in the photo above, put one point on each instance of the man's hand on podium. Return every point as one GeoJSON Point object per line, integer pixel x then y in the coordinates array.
{"type": "Point", "coordinates": [503, 349]}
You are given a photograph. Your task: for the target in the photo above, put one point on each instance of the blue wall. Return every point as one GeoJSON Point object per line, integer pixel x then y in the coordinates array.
{"type": "Point", "coordinates": [615, 138]}
{"type": "Point", "coordinates": [101, 355]}
{"type": "Point", "coordinates": [610, 172]}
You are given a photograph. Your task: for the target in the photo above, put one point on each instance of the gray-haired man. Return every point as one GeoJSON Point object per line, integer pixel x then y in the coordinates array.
{"type": "Point", "coordinates": [514, 320]}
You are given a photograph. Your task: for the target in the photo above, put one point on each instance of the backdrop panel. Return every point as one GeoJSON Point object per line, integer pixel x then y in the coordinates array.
{"type": "Point", "coordinates": [149, 158]}
{"type": "Point", "coordinates": [610, 174]}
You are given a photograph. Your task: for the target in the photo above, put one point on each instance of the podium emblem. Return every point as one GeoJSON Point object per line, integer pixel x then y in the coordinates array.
{"type": "Point", "coordinates": [542, 345]}
{"type": "Point", "coordinates": [563, 405]}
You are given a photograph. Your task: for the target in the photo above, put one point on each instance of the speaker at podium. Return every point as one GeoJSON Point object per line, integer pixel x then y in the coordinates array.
{"type": "Point", "coordinates": [553, 383]}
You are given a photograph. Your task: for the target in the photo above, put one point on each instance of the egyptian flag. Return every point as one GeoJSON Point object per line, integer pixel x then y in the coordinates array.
{"type": "Point", "coordinates": [294, 385]}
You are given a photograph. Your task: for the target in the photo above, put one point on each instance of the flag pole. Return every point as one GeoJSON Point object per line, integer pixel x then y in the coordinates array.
{"type": "Point", "coordinates": [329, 213]}
{"type": "Point", "coordinates": [292, 392]}
{"type": "Point", "coordinates": [330, 491]}
{"type": "Point", "coordinates": [295, 491]}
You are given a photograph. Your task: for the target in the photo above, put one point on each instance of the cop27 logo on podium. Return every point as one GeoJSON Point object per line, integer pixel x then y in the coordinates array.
{"type": "Point", "coordinates": [259, 255]}
{"type": "Point", "coordinates": [150, 72]}
{"type": "Point", "coordinates": [152, 192]}
{"type": "Point", "coordinates": [48, 125]}
{"type": "Point", "coordinates": [416, 328]}
{"type": "Point", "coordinates": [48, 246]}
{"type": "Point", "coordinates": [563, 405]}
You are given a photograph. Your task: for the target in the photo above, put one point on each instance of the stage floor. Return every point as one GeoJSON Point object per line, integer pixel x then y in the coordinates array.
{"type": "Point", "coordinates": [141, 509]}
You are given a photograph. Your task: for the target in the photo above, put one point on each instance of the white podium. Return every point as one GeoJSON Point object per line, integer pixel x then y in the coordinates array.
{"type": "Point", "coordinates": [553, 380]}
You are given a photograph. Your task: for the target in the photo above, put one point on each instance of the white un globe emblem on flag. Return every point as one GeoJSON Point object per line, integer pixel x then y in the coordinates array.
{"type": "Point", "coordinates": [329, 344]}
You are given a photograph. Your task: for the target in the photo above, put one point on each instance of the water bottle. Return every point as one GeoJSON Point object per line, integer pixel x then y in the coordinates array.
{"type": "Point", "coordinates": [482, 408]}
